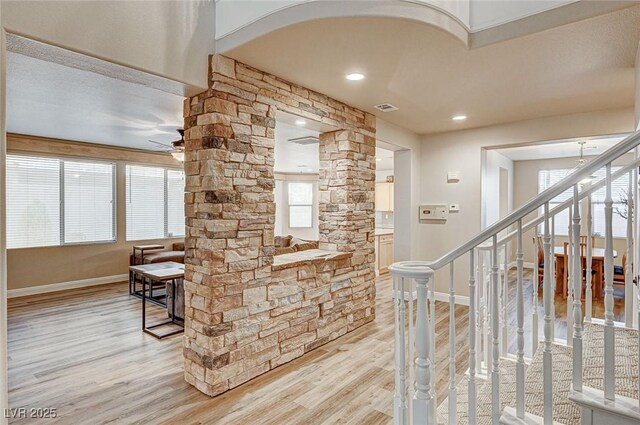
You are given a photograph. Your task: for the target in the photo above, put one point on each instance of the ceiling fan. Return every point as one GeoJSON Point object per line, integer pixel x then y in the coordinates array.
{"type": "Point", "coordinates": [176, 148]}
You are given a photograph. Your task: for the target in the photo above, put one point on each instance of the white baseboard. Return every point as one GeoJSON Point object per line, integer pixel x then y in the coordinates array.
{"type": "Point", "coordinates": [74, 284]}
{"type": "Point", "coordinates": [444, 297]}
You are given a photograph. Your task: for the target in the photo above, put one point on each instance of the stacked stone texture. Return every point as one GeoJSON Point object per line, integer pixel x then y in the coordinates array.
{"type": "Point", "coordinates": [243, 316]}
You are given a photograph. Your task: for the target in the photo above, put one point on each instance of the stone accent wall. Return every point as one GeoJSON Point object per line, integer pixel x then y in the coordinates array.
{"type": "Point", "coordinates": [243, 316]}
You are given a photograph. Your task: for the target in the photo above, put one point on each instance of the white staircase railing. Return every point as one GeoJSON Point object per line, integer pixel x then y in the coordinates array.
{"type": "Point", "coordinates": [488, 282]}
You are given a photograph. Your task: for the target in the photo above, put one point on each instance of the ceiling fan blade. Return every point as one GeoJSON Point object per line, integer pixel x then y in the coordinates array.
{"type": "Point", "coordinates": [161, 144]}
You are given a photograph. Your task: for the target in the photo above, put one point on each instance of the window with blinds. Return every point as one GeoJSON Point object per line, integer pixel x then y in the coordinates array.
{"type": "Point", "coordinates": [619, 190]}
{"type": "Point", "coordinates": [300, 204]}
{"type": "Point", "coordinates": [155, 202]}
{"type": "Point", "coordinates": [53, 201]}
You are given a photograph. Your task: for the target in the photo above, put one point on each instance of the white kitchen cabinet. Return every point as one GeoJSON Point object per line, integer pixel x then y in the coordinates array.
{"type": "Point", "coordinates": [384, 196]}
{"type": "Point", "coordinates": [385, 253]}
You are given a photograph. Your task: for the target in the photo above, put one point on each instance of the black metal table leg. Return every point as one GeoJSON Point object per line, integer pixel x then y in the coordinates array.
{"type": "Point", "coordinates": [148, 329]}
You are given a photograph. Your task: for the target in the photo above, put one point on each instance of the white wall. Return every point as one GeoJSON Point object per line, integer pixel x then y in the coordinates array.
{"type": "Point", "coordinates": [407, 183]}
{"type": "Point", "coordinates": [637, 104]}
{"type": "Point", "coordinates": [171, 39]}
{"type": "Point", "coordinates": [282, 211]}
{"type": "Point", "coordinates": [492, 204]}
{"type": "Point", "coordinates": [462, 150]}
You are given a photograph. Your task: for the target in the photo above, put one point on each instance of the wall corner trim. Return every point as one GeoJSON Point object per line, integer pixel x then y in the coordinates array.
{"type": "Point", "coordinates": [74, 284]}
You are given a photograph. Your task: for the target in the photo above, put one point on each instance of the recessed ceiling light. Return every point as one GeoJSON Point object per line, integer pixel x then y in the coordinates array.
{"type": "Point", "coordinates": [302, 166]}
{"type": "Point", "coordinates": [355, 76]}
{"type": "Point", "coordinates": [459, 117]}
{"type": "Point", "coordinates": [378, 159]}
{"type": "Point", "coordinates": [309, 169]}
{"type": "Point", "coordinates": [301, 123]}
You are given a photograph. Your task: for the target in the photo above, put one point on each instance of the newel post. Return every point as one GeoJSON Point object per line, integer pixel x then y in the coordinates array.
{"type": "Point", "coordinates": [422, 404]}
{"type": "Point", "coordinates": [424, 393]}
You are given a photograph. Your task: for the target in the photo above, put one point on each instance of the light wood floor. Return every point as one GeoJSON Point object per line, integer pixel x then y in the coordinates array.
{"type": "Point", "coordinates": [83, 353]}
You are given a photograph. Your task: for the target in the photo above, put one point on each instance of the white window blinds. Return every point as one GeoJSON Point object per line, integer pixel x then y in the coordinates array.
{"type": "Point", "coordinates": [88, 202]}
{"type": "Point", "coordinates": [155, 202]}
{"type": "Point", "coordinates": [52, 201]}
{"type": "Point", "coordinates": [175, 203]}
{"type": "Point", "coordinates": [33, 201]}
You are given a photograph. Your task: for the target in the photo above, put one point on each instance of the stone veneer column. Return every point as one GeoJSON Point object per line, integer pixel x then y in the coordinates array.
{"type": "Point", "coordinates": [244, 317]}
{"type": "Point", "coordinates": [347, 205]}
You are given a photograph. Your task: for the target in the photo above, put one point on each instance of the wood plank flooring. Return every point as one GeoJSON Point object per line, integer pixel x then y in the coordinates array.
{"type": "Point", "coordinates": [83, 352]}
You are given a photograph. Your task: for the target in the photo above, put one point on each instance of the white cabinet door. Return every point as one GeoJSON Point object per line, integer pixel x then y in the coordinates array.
{"type": "Point", "coordinates": [385, 253]}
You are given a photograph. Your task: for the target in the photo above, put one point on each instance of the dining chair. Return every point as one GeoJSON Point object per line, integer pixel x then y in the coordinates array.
{"type": "Point", "coordinates": [584, 238]}
{"type": "Point", "coordinates": [619, 271]}
{"type": "Point", "coordinates": [537, 241]}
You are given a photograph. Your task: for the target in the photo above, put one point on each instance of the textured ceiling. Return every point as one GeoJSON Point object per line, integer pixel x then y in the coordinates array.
{"type": "Point", "coordinates": [51, 100]}
{"type": "Point", "coordinates": [430, 76]}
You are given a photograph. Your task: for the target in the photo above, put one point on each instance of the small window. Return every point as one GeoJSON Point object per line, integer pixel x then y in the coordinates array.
{"type": "Point", "coordinates": [300, 204]}
{"type": "Point", "coordinates": [155, 202]}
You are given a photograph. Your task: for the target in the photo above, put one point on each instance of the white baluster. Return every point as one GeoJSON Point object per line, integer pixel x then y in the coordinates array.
{"type": "Point", "coordinates": [577, 293]}
{"type": "Point", "coordinates": [588, 293]}
{"type": "Point", "coordinates": [534, 319]}
{"type": "Point", "coordinates": [503, 306]}
{"type": "Point", "coordinates": [635, 261]}
{"type": "Point", "coordinates": [432, 314]}
{"type": "Point", "coordinates": [412, 354]}
{"type": "Point", "coordinates": [423, 399]}
{"type": "Point", "coordinates": [628, 272]}
{"type": "Point", "coordinates": [472, 341]}
{"type": "Point", "coordinates": [553, 281]}
{"type": "Point", "coordinates": [488, 323]}
{"type": "Point", "coordinates": [547, 294]}
{"type": "Point", "coordinates": [452, 349]}
{"type": "Point", "coordinates": [572, 273]}
{"type": "Point", "coordinates": [478, 307]}
{"type": "Point", "coordinates": [609, 330]}
{"type": "Point", "coordinates": [520, 331]}
{"type": "Point", "coordinates": [399, 400]}
{"type": "Point", "coordinates": [495, 318]}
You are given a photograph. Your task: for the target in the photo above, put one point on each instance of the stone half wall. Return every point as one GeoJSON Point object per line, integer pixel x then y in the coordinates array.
{"type": "Point", "coordinates": [243, 315]}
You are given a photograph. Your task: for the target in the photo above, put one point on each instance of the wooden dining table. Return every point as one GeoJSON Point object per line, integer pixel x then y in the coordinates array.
{"type": "Point", "coordinates": [597, 265]}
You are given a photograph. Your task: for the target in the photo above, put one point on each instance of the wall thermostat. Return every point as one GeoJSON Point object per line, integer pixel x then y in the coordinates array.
{"type": "Point", "coordinates": [433, 212]}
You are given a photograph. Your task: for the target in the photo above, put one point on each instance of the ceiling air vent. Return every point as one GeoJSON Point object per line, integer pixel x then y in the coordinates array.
{"type": "Point", "coordinates": [304, 141]}
{"type": "Point", "coordinates": [386, 107]}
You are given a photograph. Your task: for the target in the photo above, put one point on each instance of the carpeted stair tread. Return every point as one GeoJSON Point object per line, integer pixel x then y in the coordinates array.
{"type": "Point", "coordinates": [507, 396]}
{"type": "Point", "coordinates": [564, 410]}
{"type": "Point", "coordinates": [626, 371]}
